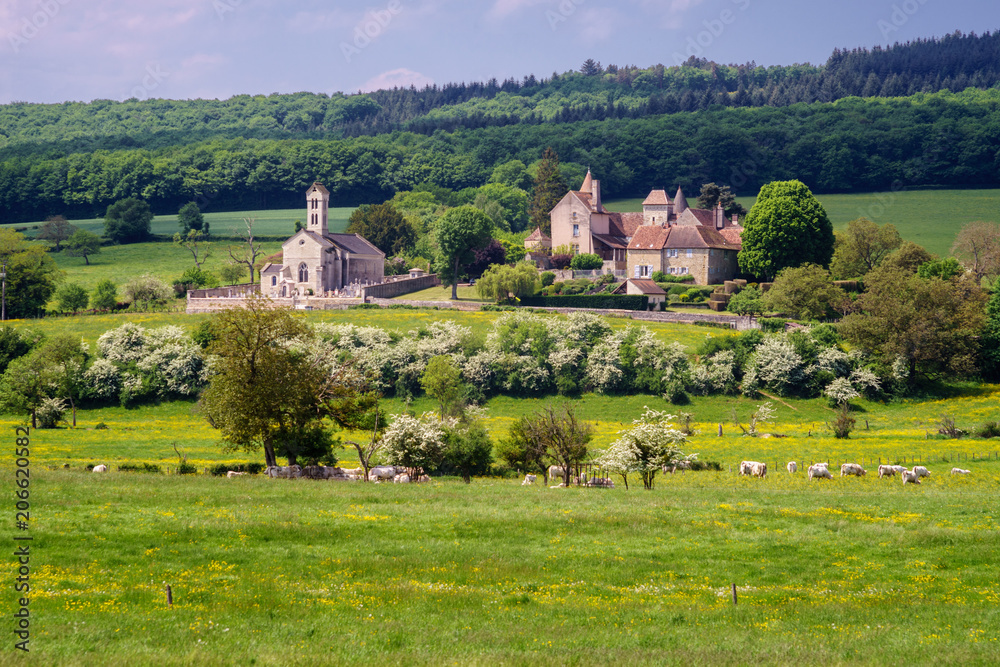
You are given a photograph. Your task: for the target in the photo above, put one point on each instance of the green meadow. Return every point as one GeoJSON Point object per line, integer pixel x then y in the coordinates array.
{"type": "Point", "coordinates": [930, 218]}
{"type": "Point", "coordinates": [278, 572]}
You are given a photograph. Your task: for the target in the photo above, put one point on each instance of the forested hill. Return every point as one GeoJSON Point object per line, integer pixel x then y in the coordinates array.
{"type": "Point", "coordinates": [954, 62]}
{"type": "Point", "coordinates": [852, 144]}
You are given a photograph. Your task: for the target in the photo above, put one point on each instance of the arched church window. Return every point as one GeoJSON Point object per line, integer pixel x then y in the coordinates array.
{"type": "Point", "coordinates": [303, 273]}
{"type": "Point", "coordinates": [274, 280]}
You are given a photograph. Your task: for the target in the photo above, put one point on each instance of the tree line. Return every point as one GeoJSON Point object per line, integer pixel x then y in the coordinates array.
{"type": "Point", "coordinates": [927, 139]}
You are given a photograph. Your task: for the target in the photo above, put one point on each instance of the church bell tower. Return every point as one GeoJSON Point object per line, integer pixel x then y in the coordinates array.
{"type": "Point", "coordinates": [317, 205]}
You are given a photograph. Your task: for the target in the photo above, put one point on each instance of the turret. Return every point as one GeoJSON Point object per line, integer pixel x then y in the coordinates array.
{"type": "Point", "coordinates": [317, 207]}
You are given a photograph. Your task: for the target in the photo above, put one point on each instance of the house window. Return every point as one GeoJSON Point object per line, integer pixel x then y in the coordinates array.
{"type": "Point", "coordinates": [644, 270]}
{"type": "Point", "coordinates": [575, 248]}
{"type": "Point", "coordinates": [672, 253]}
{"type": "Point", "coordinates": [711, 252]}
{"type": "Point", "coordinates": [690, 252]}
{"type": "Point", "coordinates": [274, 280]}
{"type": "Point", "coordinates": [574, 215]}
{"type": "Point", "coordinates": [576, 230]}
{"type": "Point", "coordinates": [303, 273]}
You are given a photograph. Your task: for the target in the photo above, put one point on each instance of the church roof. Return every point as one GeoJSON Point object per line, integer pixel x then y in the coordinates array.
{"type": "Point", "coordinates": [657, 198]}
{"type": "Point", "coordinates": [355, 244]}
{"type": "Point", "coordinates": [318, 187]}
{"type": "Point", "coordinates": [270, 268]}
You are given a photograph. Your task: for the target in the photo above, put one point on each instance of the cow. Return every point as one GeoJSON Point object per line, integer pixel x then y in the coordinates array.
{"type": "Point", "coordinates": [819, 471]}
{"type": "Point", "coordinates": [424, 478]}
{"type": "Point", "coordinates": [401, 478]}
{"type": "Point", "coordinates": [383, 472]}
{"type": "Point", "coordinates": [759, 470]}
{"type": "Point", "coordinates": [921, 471]}
{"type": "Point", "coordinates": [910, 477]}
{"type": "Point", "coordinates": [959, 471]}
{"type": "Point", "coordinates": [101, 468]}
{"type": "Point", "coordinates": [852, 469]}
{"type": "Point", "coordinates": [746, 467]}
{"type": "Point", "coordinates": [529, 479]}
{"type": "Point", "coordinates": [601, 482]}
{"type": "Point", "coordinates": [232, 473]}
{"type": "Point", "coordinates": [792, 467]}
{"type": "Point", "coordinates": [886, 471]}
{"type": "Point", "coordinates": [555, 472]}
{"type": "Point", "coordinates": [284, 472]}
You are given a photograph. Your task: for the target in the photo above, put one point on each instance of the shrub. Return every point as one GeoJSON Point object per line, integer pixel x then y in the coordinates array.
{"type": "Point", "coordinates": [50, 412]}
{"type": "Point", "coordinates": [844, 423]}
{"type": "Point", "coordinates": [705, 465]}
{"type": "Point", "coordinates": [601, 301]}
{"type": "Point", "coordinates": [221, 469]}
{"type": "Point", "coordinates": [548, 278]}
{"type": "Point", "coordinates": [364, 306]}
{"type": "Point", "coordinates": [186, 469]}
{"type": "Point", "coordinates": [586, 262]}
{"type": "Point", "coordinates": [659, 277]}
{"type": "Point", "coordinates": [772, 324]}
{"type": "Point", "coordinates": [988, 430]}
{"type": "Point", "coordinates": [561, 261]}
{"type": "Point", "coordinates": [139, 467]}
{"type": "Point", "coordinates": [101, 426]}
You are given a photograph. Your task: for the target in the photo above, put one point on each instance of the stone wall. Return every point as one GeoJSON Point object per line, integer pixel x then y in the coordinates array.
{"type": "Point", "coordinates": [388, 290]}
{"type": "Point", "coordinates": [224, 292]}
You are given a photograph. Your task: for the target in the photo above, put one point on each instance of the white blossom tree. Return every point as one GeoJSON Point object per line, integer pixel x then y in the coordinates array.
{"type": "Point", "coordinates": [651, 443]}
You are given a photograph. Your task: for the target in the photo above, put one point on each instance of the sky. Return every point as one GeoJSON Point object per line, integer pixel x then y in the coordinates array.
{"type": "Point", "coordinates": [81, 50]}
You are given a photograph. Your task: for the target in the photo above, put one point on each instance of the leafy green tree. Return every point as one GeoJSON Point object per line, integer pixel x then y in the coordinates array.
{"type": "Point", "coordinates": [72, 298]}
{"type": "Point", "coordinates": [940, 268]}
{"type": "Point", "coordinates": [146, 293]}
{"type": "Point", "coordinates": [591, 68]}
{"type": "Point", "coordinates": [712, 194]}
{"type": "Point", "coordinates": [56, 229]}
{"type": "Point", "coordinates": [804, 292]}
{"type": "Point", "coordinates": [786, 227]}
{"type": "Point", "coordinates": [502, 282]}
{"type": "Point", "coordinates": [468, 450]}
{"type": "Point", "coordinates": [189, 218]}
{"type": "Point", "coordinates": [513, 174]}
{"type": "Point", "coordinates": [83, 244]}
{"type": "Point", "coordinates": [931, 325]}
{"type": "Point", "coordinates": [442, 381]}
{"type": "Point", "coordinates": [128, 221]}
{"type": "Point", "coordinates": [909, 257]}
{"type": "Point", "coordinates": [31, 275]}
{"type": "Point", "coordinates": [555, 435]}
{"type": "Point", "coordinates": [977, 245]}
{"type": "Point", "coordinates": [15, 344]}
{"type": "Point", "coordinates": [459, 232]}
{"type": "Point", "coordinates": [27, 382]}
{"type": "Point", "coordinates": [517, 451]}
{"type": "Point", "coordinates": [586, 262]}
{"type": "Point", "coordinates": [862, 247]}
{"type": "Point", "coordinates": [105, 295]}
{"type": "Point", "coordinates": [383, 226]}
{"type": "Point", "coordinates": [990, 343]}
{"type": "Point", "coordinates": [231, 272]}
{"type": "Point", "coordinates": [549, 188]}
{"type": "Point", "coordinates": [747, 301]}
{"type": "Point", "coordinates": [505, 205]}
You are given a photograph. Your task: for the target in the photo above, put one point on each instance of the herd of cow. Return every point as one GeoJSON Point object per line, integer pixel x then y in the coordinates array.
{"type": "Point", "coordinates": [397, 474]}
{"type": "Point", "coordinates": [559, 473]}
{"type": "Point", "coordinates": [822, 471]}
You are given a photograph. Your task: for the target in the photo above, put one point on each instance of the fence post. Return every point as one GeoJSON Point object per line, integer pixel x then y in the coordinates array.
{"type": "Point", "coordinates": [734, 594]}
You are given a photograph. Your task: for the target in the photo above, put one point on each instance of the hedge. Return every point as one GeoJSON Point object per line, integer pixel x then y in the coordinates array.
{"type": "Point", "coordinates": [602, 301]}
{"type": "Point", "coordinates": [772, 324]}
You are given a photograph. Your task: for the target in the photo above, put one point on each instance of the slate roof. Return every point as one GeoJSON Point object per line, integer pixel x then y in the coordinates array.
{"type": "Point", "coordinates": [318, 186]}
{"type": "Point", "coordinates": [354, 243]}
{"type": "Point", "coordinates": [612, 241]}
{"type": "Point", "coordinates": [657, 198]}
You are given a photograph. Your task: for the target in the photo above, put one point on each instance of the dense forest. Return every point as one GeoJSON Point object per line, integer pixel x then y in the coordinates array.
{"type": "Point", "coordinates": [741, 125]}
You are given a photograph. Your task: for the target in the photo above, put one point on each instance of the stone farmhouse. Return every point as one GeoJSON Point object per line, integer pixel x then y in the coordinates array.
{"type": "Point", "coordinates": [668, 236]}
{"type": "Point", "coordinates": [316, 262]}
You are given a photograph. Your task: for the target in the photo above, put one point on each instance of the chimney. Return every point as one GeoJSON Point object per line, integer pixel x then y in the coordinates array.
{"type": "Point", "coordinates": [595, 191]}
{"type": "Point", "coordinates": [736, 219]}
{"type": "Point", "coordinates": [720, 216]}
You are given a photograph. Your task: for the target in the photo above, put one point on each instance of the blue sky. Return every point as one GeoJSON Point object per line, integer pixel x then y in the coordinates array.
{"type": "Point", "coordinates": [58, 50]}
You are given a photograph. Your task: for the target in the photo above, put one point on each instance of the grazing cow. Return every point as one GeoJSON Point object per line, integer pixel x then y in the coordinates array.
{"type": "Point", "coordinates": [759, 470]}
{"type": "Point", "coordinates": [383, 472]}
{"type": "Point", "coordinates": [555, 472]}
{"type": "Point", "coordinates": [746, 467]}
{"type": "Point", "coordinates": [601, 483]}
{"type": "Point", "coordinates": [529, 479]}
{"type": "Point", "coordinates": [910, 477]}
{"type": "Point", "coordinates": [959, 471]}
{"type": "Point", "coordinates": [401, 478]}
{"type": "Point", "coordinates": [819, 471]}
{"type": "Point", "coordinates": [921, 471]}
{"type": "Point", "coordinates": [424, 478]}
{"type": "Point", "coordinates": [792, 466]}
{"type": "Point", "coordinates": [886, 471]}
{"type": "Point", "coordinates": [232, 473]}
{"type": "Point", "coordinates": [284, 472]}
{"type": "Point", "coordinates": [852, 469]}
{"type": "Point", "coordinates": [101, 468]}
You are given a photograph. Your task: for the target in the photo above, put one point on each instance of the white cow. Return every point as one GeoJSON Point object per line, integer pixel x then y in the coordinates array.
{"type": "Point", "coordinates": [383, 472]}
{"type": "Point", "coordinates": [746, 467]}
{"type": "Point", "coordinates": [424, 478]}
{"type": "Point", "coordinates": [959, 471]}
{"type": "Point", "coordinates": [232, 473]}
{"type": "Point", "coordinates": [792, 467]}
{"type": "Point", "coordinates": [529, 479]}
{"type": "Point", "coordinates": [819, 471]}
{"type": "Point", "coordinates": [759, 470]}
{"type": "Point", "coordinates": [402, 478]}
{"type": "Point", "coordinates": [555, 472]}
{"type": "Point", "coordinates": [852, 469]}
{"type": "Point", "coordinates": [886, 471]}
{"type": "Point", "coordinates": [101, 468]}
{"type": "Point", "coordinates": [910, 477]}
{"type": "Point", "coordinates": [921, 471]}
{"type": "Point", "coordinates": [284, 472]}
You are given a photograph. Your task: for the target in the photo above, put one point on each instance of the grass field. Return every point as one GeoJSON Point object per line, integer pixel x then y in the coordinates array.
{"type": "Point", "coordinates": [930, 218]}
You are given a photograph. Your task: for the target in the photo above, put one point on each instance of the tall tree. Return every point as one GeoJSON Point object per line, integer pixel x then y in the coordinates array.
{"type": "Point", "coordinates": [459, 232]}
{"type": "Point", "coordinates": [105, 295]}
{"type": "Point", "coordinates": [977, 246]}
{"type": "Point", "coordinates": [712, 194]}
{"type": "Point", "coordinates": [990, 343]}
{"type": "Point", "coordinates": [83, 244]}
{"type": "Point", "coordinates": [128, 221]}
{"type": "Point", "coordinates": [442, 381]}
{"type": "Point", "coordinates": [56, 229]}
{"type": "Point", "coordinates": [805, 292]}
{"type": "Point", "coordinates": [384, 226]}
{"type": "Point", "coordinates": [196, 242]}
{"type": "Point", "coordinates": [556, 435]}
{"type": "Point", "coordinates": [651, 444]}
{"type": "Point", "coordinates": [190, 217]}
{"type": "Point", "coordinates": [31, 275]}
{"type": "Point", "coordinates": [861, 247]}
{"type": "Point", "coordinates": [249, 250]}
{"type": "Point", "coordinates": [786, 227]}
{"type": "Point", "coordinates": [548, 190]}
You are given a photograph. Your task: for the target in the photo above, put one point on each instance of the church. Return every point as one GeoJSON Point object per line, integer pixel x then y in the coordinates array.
{"type": "Point", "coordinates": [316, 262]}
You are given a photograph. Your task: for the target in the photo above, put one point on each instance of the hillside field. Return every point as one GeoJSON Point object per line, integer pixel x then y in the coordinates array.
{"type": "Point", "coordinates": [842, 571]}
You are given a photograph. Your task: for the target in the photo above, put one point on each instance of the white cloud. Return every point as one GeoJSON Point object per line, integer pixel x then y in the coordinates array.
{"type": "Point", "coordinates": [396, 78]}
